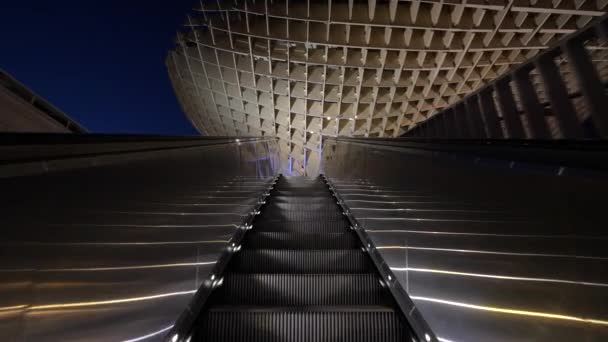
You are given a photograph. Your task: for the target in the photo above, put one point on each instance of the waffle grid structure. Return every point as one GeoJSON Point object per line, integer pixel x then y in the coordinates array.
{"type": "Point", "coordinates": [302, 70]}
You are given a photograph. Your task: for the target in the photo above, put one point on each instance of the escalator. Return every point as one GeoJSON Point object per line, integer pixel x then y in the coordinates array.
{"type": "Point", "coordinates": [196, 239]}
{"type": "Point", "coordinates": [301, 275]}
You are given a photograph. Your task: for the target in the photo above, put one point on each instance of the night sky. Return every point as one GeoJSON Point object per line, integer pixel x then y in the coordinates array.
{"type": "Point", "coordinates": [101, 62]}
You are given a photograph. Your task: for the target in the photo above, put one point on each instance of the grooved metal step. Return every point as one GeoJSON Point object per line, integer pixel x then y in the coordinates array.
{"type": "Point", "coordinates": [301, 275]}
{"type": "Point", "coordinates": [312, 206]}
{"type": "Point", "coordinates": [301, 289]}
{"type": "Point", "coordinates": [328, 200]}
{"type": "Point", "coordinates": [234, 324]}
{"type": "Point", "coordinates": [300, 193]}
{"type": "Point", "coordinates": [303, 241]}
{"type": "Point", "coordinates": [268, 225]}
{"type": "Point", "coordinates": [308, 215]}
{"type": "Point", "coordinates": [302, 261]}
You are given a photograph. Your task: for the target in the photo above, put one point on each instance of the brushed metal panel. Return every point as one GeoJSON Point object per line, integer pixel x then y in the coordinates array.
{"type": "Point", "coordinates": [485, 253]}
{"type": "Point", "coordinates": [115, 252]}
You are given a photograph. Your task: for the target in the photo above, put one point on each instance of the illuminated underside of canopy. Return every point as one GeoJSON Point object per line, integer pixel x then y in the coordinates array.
{"type": "Point", "coordinates": [303, 71]}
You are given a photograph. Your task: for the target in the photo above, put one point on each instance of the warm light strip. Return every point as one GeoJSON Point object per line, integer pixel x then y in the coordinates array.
{"type": "Point", "coordinates": [492, 276]}
{"type": "Point", "coordinates": [511, 311]}
{"type": "Point", "coordinates": [431, 220]}
{"type": "Point", "coordinates": [168, 213]}
{"type": "Point", "coordinates": [485, 234]}
{"type": "Point", "coordinates": [409, 202]}
{"type": "Point", "coordinates": [201, 204]}
{"type": "Point", "coordinates": [368, 195]}
{"type": "Point", "coordinates": [144, 225]}
{"type": "Point", "coordinates": [111, 301]}
{"type": "Point", "coordinates": [103, 302]}
{"type": "Point", "coordinates": [425, 210]}
{"type": "Point", "coordinates": [118, 268]}
{"type": "Point", "coordinates": [12, 308]}
{"type": "Point", "coordinates": [123, 243]}
{"type": "Point", "coordinates": [383, 190]}
{"type": "Point", "coordinates": [225, 197]}
{"type": "Point", "coordinates": [494, 252]}
{"type": "Point", "coordinates": [360, 187]}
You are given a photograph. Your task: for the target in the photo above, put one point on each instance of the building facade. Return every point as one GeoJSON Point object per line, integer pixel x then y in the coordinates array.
{"type": "Point", "coordinates": [304, 70]}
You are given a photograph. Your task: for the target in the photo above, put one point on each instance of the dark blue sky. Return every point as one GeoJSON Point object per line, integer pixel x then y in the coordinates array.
{"type": "Point", "coordinates": [101, 62]}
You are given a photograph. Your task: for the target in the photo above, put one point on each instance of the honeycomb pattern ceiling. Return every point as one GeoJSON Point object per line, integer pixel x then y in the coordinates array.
{"type": "Point", "coordinates": [305, 70]}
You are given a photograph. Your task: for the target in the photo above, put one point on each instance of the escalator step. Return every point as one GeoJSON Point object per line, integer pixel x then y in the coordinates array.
{"type": "Point", "coordinates": [305, 261]}
{"type": "Point", "coordinates": [232, 325]}
{"type": "Point", "coordinates": [301, 276]}
{"type": "Point", "coordinates": [301, 289]}
{"type": "Point", "coordinates": [326, 226]}
{"type": "Point", "coordinates": [301, 186]}
{"type": "Point", "coordinates": [327, 200]}
{"type": "Point", "coordinates": [301, 193]}
{"type": "Point", "coordinates": [282, 240]}
{"type": "Point", "coordinates": [301, 215]}
{"type": "Point", "coordinates": [312, 206]}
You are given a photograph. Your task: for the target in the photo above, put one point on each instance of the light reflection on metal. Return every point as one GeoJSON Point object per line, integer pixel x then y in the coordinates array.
{"type": "Point", "coordinates": [223, 197]}
{"type": "Point", "coordinates": [13, 308]}
{"type": "Point", "coordinates": [441, 339]}
{"type": "Point", "coordinates": [145, 337]}
{"type": "Point", "coordinates": [168, 213]}
{"type": "Point", "coordinates": [420, 219]}
{"type": "Point", "coordinates": [346, 193]}
{"type": "Point", "coordinates": [124, 268]}
{"type": "Point", "coordinates": [511, 311]}
{"type": "Point", "coordinates": [145, 225]}
{"type": "Point", "coordinates": [106, 255]}
{"type": "Point", "coordinates": [518, 257]}
{"type": "Point", "coordinates": [96, 303]}
{"type": "Point", "coordinates": [36, 243]}
{"type": "Point", "coordinates": [426, 210]}
{"type": "Point", "coordinates": [199, 204]}
{"type": "Point", "coordinates": [386, 196]}
{"type": "Point", "coordinates": [406, 202]}
{"type": "Point", "coordinates": [495, 276]}
{"type": "Point", "coordinates": [544, 255]}
{"type": "Point", "coordinates": [556, 236]}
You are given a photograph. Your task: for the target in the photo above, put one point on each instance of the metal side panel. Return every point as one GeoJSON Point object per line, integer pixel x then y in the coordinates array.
{"type": "Point", "coordinates": [485, 253]}
{"type": "Point", "coordinates": [116, 252]}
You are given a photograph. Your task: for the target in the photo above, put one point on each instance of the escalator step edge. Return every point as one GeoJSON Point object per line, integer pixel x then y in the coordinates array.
{"type": "Point", "coordinates": [275, 326]}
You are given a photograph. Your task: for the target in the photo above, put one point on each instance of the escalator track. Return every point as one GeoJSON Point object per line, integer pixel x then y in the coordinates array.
{"type": "Point", "coordinates": [301, 275]}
